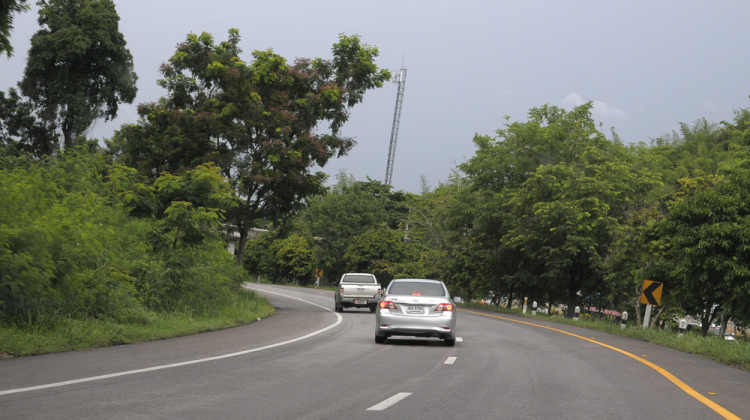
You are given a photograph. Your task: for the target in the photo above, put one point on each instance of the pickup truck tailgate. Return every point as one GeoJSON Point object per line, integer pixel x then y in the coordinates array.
{"type": "Point", "coordinates": [359, 290]}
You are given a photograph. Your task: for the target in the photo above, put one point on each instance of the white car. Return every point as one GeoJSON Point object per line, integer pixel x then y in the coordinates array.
{"type": "Point", "coordinates": [417, 308]}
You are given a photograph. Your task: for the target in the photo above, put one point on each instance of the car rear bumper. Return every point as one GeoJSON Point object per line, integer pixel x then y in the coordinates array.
{"type": "Point", "coordinates": [443, 326]}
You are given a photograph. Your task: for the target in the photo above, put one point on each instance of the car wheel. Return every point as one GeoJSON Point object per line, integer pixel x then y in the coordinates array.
{"type": "Point", "coordinates": [450, 342]}
{"type": "Point", "coordinates": [379, 339]}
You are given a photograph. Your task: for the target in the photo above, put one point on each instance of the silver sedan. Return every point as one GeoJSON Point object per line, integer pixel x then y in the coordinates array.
{"type": "Point", "coordinates": [417, 308]}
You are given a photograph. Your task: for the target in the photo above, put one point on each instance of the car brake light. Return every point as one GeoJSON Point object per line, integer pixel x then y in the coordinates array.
{"type": "Point", "coordinates": [444, 307]}
{"type": "Point", "coordinates": [387, 304]}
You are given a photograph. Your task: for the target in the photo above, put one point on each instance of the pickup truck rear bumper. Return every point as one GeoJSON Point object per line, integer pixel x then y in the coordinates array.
{"type": "Point", "coordinates": [358, 302]}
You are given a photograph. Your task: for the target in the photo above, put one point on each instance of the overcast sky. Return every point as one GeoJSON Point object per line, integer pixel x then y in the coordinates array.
{"type": "Point", "coordinates": [647, 65]}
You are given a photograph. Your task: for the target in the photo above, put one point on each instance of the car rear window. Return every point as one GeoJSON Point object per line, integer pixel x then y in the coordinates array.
{"type": "Point", "coordinates": [416, 288]}
{"type": "Point", "coordinates": [359, 279]}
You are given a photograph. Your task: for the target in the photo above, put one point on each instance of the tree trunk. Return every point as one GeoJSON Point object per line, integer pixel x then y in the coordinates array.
{"type": "Point", "coordinates": [242, 243]}
{"type": "Point", "coordinates": [510, 295]}
{"type": "Point", "coordinates": [572, 302]}
{"type": "Point", "coordinates": [723, 327]}
{"type": "Point", "coordinates": [658, 314]}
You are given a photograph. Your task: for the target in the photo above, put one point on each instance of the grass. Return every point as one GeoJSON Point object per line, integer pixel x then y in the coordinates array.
{"type": "Point", "coordinates": [735, 353]}
{"type": "Point", "coordinates": [66, 334]}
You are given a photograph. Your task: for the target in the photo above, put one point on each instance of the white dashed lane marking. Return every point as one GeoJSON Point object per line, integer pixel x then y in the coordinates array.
{"type": "Point", "coordinates": [459, 340]}
{"type": "Point", "coordinates": [389, 402]}
{"type": "Point", "coordinates": [450, 361]}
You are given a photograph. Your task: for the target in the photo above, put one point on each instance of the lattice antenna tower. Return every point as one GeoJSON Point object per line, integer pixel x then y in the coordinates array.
{"type": "Point", "coordinates": [400, 81]}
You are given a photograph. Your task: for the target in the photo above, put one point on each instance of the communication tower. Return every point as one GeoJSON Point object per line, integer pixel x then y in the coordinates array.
{"type": "Point", "coordinates": [400, 81]}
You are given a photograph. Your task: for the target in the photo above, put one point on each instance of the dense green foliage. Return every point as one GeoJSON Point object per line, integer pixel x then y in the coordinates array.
{"type": "Point", "coordinates": [69, 246]}
{"type": "Point", "coordinates": [21, 131]}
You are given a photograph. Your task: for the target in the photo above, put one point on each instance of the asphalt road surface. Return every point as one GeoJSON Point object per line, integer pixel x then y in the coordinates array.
{"type": "Point", "coordinates": [308, 362]}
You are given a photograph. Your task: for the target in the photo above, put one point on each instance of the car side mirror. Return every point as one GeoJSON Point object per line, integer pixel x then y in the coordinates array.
{"type": "Point", "coordinates": [457, 299]}
{"type": "Point", "coordinates": [378, 296]}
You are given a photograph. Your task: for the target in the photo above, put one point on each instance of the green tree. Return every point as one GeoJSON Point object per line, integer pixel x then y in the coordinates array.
{"type": "Point", "coordinates": [9, 8]}
{"type": "Point", "coordinates": [78, 68]}
{"type": "Point", "coordinates": [348, 210]}
{"type": "Point", "coordinates": [295, 258]}
{"type": "Point", "coordinates": [256, 120]}
{"type": "Point", "coordinates": [553, 192]}
{"type": "Point", "coordinates": [705, 238]}
{"type": "Point", "coordinates": [377, 251]}
{"type": "Point", "coordinates": [188, 207]}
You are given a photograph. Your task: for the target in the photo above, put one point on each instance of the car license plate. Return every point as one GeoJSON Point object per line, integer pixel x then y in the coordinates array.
{"type": "Point", "coordinates": [414, 309]}
{"type": "Point", "coordinates": [360, 302]}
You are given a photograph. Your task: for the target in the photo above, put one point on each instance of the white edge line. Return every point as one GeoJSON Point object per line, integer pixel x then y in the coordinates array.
{"type": "Point", "coordinates": [389, 402]}
{"type": "Point", "coordinates": [450, 361]}
{"type": "Point", "coordinates": [190, 362]}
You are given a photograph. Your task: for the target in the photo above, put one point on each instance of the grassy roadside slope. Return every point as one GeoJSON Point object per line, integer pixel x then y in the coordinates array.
{"type": "Point", "coordinates": [64, 334]}
{"type": "Point", "coordinates": [734, 353]}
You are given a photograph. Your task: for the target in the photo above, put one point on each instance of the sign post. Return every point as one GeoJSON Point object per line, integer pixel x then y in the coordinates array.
{"type": "Point", "coordinates": [651, 296]}
{"type": "Point", "coordinates": [318, 276]}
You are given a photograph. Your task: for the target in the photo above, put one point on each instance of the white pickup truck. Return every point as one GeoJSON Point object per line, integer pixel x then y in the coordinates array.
{"type": "Point", "coordinates": [357, 290]}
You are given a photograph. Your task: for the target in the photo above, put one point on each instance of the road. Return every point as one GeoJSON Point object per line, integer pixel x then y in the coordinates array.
{"type": "Point", "coordinates": [307, 362]}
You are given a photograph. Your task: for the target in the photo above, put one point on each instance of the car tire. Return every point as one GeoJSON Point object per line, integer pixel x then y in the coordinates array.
{"type": "Point", "coordinates": [450, 342]}
{"type": "Point", "coordinates": [379, 339]}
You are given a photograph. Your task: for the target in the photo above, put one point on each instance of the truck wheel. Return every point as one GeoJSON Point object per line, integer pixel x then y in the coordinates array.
{"type": "Point", "coordinates": [450, 342]}
{"type": "Point", "coordinates": [373, 307]}
{"type": "Point", "coordinates": [379, 339]}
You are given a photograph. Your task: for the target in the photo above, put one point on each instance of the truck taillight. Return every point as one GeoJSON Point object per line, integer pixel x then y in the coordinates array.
{"type": "Point", "coordinates": [444, 307]}
{"type": "Point", "coordinates": [387, 304]}
{"type": "Point", "coordinates": [380, 290]}
{"type": "Point", "coordinates": [342, 289]}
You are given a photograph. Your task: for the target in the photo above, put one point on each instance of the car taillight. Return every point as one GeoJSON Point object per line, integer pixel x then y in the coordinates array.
{"type": "Point", "coordinates": [387, 304]}
{"type": "Point", "coordinates": [444, 307]}
{"type": "Point", "coordinates": [380, 290]}
{"type": "Point", "coordinates": [342, 289]}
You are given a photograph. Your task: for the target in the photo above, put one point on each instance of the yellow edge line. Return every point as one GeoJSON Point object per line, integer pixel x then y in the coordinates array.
{"type": "Point", "coordinates": [690, 391]}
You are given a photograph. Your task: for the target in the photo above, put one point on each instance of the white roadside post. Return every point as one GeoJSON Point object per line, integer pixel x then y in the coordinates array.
{"type": "Point", "coordinates": [624, 320]}
{"type": "Point", "coordinates": [525, 300]}
{"type": "Point", "coordinates": [683, 326]}
{"type": "Point", "coordinates": [533, 308]}
{"type": "Point", "coordinates": [647, 317]}
{"type": "Point", "coordinates": [576, 313]}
